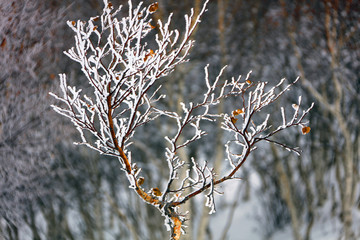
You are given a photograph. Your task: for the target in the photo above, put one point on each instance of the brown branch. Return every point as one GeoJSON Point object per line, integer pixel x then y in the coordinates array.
{"type": "Point", "coordinates": [146, 197]}
{"type": "Point", "coordinates": [176, 230]}
{"type": "Point", "coordinates": [113, 135]}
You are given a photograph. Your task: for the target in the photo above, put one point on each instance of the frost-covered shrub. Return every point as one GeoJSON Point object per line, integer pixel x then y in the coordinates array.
{"type": "Point", "coordinates": [125, 76]}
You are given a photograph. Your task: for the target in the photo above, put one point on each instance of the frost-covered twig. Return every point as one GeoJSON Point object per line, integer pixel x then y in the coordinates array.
{"type": "Point", "coordinates": [246, 134]}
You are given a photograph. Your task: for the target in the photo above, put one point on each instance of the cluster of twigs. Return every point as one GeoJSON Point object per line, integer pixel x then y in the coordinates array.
{"type": "Point", "coordinates": [123, 70]}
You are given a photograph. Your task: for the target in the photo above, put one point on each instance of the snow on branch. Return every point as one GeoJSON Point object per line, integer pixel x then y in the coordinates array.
{"type": "Point", "coordinates": [253, 97]}
{"type": "Point", "coordinates": [121, 69]}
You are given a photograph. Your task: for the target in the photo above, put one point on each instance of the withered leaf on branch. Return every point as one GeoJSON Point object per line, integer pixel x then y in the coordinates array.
{"type": "Point", "coordinates": [153, 7]}
{"type": "Point", "coordinates": [141, 181]}
{"type": "Point", "coordinates": [305, 130]}
{"type": "Point", "coordinates": [237, 112]}
{"type": "Point", "coordinates": [149, 54]}
{"type": "Point", "coordinates": [295, 106]}
{"type": "Point", "coordinates": [156, 192]}
{"type": "Point", "coordinates": [233, 120]}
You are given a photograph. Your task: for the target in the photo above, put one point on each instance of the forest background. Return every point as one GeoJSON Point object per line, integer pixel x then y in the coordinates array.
{"type": "Point", "coordinates": [51, 189]}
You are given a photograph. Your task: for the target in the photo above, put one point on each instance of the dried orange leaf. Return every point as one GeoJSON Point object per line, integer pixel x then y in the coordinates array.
{"type": "Point", "coordinates": [156, 192]}
{"type": "Point", "coordinates": [91, 108]}
{"type": "Point", "coordinates": [295, 106]}
{"type": "Point", "coordinates": [95, 28]}
{"type": "Point", "coordinates": [110, 5]}
{"type": "Point", "coordinates": [233, 120]}
{"type": "Point", "coordinates": [141, 181]}
{"type": "Point", "coordinates": [152, 27]}
{"type": "Point", "coordinates": [248, 81]}
{"type": "Point", "coordinates": [73, 23]}
{"type": "Point", "coordinates": [237, 112]}
{"type": "Point", "coordinates": [149, 54]}
{"type": "Point", "coordinates": [305, 130]}
{"type": "Point", "coordinates": [153, 7]}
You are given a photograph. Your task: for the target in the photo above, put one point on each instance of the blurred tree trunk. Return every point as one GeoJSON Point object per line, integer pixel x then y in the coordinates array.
{"type": "Point", "coordinates": [305, 178]}
{"type": "Point", "coordinates": [286, 192]}
{"type": "Point", "coordinates": [334, 106]}
{"type": "Point", "coordinates": [123, 217]}
{"type": "Point", "coordinates": [219, 149]}
{"type": "Point", "coordinates": [98, 203]}
{"type": "Point", "coordinates": [12, 231]}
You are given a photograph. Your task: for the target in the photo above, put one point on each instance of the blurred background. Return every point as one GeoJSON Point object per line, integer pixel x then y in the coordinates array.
{"type": "Point", "coordinates": [51, 189]}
